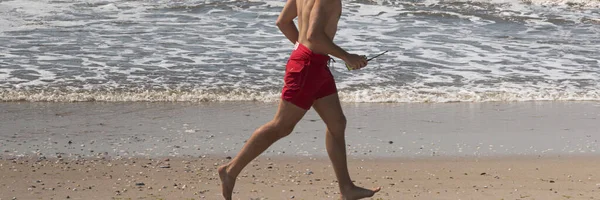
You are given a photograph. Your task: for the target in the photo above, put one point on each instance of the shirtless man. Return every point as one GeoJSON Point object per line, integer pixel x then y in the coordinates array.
{"type": "Point", "coordinates": [308, 82]}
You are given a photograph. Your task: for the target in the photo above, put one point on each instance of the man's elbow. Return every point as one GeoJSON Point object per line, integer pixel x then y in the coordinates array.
{"type": "Point", "coordinates": [281, 23]}
{"type": "Point", "coordinates": [278, 23]}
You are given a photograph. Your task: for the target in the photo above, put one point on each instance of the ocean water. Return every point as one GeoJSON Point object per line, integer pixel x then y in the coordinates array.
{"type": "Point", "coordinates": [231, 50]}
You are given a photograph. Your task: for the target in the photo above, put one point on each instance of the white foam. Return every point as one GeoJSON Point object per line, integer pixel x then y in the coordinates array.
{"type": "Point", "coordinates": [565, 3]}
{"type": "Point", "coordinates": [271, 3]}
{"type": "Point", "coordinates": [406, 94]}
{"type": "Point", "coordinates": [149, 96]}
{"type": "Point", "coordinates": [521, 3]}
{"type": "Point", "coordinates": [5, 73]}
{"type": "Point", "coordinates": [108, 7]}
{"type": "Point", "coordinates": [33, 8]}
{"type": "Point", "coordinates": [8, 21]}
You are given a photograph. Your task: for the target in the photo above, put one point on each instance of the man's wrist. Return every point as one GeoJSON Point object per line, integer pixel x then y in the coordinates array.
{"type": "Point", "coordinates": [344, 56]}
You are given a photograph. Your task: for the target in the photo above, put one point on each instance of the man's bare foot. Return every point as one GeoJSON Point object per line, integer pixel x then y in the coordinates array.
{"type": "Point", "coordinates": [227, 182]}
{"type": "Point", "coordinates": [355, 193]}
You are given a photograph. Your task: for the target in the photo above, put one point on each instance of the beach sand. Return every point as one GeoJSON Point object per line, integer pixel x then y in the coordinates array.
{"type": "Point", "coordinates": [302, 178]}
{"type": "Point", "coordinates": [524, 150]}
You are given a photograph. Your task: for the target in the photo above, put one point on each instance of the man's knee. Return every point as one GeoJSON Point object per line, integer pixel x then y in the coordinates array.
{"type": "Point", "coordinates": [338, 126]}
{"type": "Point", "coordinates": [282, 128]}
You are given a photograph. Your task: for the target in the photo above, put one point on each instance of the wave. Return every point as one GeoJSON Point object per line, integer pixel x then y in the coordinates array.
{"type": "Point", "coordinates": [584, 4]}
{"type": "Point", "coordinates": [566, 3]}
{"type": "Point", "coordinates": [358, 96]}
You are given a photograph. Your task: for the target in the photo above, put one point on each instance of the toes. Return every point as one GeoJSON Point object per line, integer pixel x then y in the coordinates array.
{"type": "Point", "coordinates": [377, 189]}
{"type": "Point", "coordinates": [374, 191]}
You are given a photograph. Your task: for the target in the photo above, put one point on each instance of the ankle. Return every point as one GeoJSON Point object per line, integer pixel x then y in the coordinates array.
{"type": "Point", "coordinates": [229, 171]}
{"type": "Point", "coordinates": [346, 187]}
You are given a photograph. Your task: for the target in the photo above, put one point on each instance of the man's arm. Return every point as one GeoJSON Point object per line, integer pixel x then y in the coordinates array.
{"type": "Point", "coordinates": [285, 22]}
{"type": "Point", "coordinates": [316, 30]}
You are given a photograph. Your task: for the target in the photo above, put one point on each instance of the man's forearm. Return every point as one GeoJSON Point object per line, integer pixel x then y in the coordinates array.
{"type": "Point", "coordinates": [290, 31]}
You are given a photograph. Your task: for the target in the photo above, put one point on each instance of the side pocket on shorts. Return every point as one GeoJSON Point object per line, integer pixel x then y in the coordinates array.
{"type": "Point", "coordinates": [295, 66]}
{"type": "Point", "coordinates": [295, 75]}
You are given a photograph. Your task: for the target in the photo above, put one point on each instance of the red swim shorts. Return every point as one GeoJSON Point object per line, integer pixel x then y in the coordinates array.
{"type": "Point", "coordinates": [307, 78]}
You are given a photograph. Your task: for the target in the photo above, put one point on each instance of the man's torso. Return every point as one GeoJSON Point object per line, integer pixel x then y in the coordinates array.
{"type": "Point", "coordinates": [305, 7]}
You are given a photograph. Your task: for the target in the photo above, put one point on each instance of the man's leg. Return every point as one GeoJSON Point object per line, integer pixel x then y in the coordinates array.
{"type": "Point", "coordinates": [282, 125]}
{"type": "Point", "coordinates": [330, 110]}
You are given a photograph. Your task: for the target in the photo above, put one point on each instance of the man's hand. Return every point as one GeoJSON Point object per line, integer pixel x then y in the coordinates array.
{"type": "Point", "coordinates": [355, 61]}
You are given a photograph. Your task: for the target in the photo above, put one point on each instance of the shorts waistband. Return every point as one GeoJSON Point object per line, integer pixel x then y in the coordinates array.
{"type": "Point", "coordinates": [300, 48]}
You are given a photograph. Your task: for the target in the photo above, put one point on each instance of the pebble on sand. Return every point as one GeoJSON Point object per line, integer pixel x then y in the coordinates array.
{"type": "Point", "coordinates": [309, 172]}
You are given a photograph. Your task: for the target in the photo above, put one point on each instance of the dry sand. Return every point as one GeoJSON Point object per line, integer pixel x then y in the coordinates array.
{"type": "Point", "coordinates": [302, 178]}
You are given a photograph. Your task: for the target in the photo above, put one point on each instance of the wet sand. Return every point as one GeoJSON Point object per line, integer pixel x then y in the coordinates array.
{"type": "Point", "coordinates": [381, 130]}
